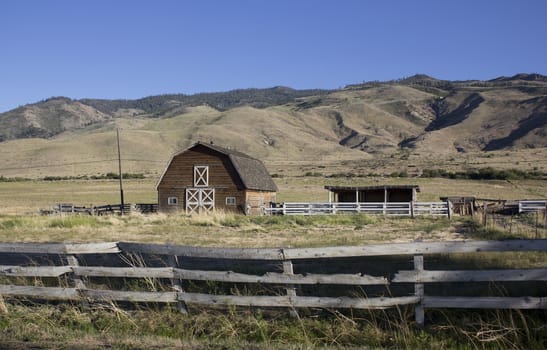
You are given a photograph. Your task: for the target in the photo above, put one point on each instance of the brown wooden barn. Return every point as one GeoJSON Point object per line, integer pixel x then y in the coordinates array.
{"type": "Point", "coordinates": [206, 177]}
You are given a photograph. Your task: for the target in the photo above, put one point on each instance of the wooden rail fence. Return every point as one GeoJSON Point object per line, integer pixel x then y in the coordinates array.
{"type": "Point", "coordinates": [531, 206]}
{"type": "Point", "coordinates": [304, 277]}
{"type": "Point", "coordinates": [108, 209]}
{"type": "Point", "coordinates": [374, 208]}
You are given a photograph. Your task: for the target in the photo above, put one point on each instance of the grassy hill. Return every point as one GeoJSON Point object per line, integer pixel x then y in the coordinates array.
{"type": "Point", "coordinates": [405, 125]}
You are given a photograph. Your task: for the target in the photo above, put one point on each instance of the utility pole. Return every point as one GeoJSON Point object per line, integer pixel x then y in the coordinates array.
{"type": "Point", "coordinates": [120, 170]}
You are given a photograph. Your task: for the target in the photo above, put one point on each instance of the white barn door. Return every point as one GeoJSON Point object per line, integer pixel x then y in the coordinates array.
{"type": "Point", "coordinates": [199, 200]}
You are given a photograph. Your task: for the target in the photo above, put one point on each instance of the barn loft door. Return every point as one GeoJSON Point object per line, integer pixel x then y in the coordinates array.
{"type": "Point", "coordinates": [199, 200]}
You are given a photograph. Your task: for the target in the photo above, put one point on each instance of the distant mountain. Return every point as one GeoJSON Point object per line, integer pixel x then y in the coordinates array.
{"type": "Point", "coordinates": [58, 114]}
{"type": "Point", "coordinates": [48, 118]}
{"type": "Point", "coordinates": [157, 106]}
{"type": "Point", "coordinates": [418, 114]}
{"type": "Point", "coordinates": [524, 77]}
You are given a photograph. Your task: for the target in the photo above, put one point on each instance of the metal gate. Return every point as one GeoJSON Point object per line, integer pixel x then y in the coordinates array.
{"type": "Point", "coordinates": [199, 200]}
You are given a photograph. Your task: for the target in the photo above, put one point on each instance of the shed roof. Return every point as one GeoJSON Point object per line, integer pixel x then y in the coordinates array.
{"type": "Point", "coordinates": [368, 188]}
{"type": "Point", "coordinates": [251, 171]}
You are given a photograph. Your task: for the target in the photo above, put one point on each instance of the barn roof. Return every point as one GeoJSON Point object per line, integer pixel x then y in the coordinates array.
{"type": "Point", "coordinates": [251, 171]}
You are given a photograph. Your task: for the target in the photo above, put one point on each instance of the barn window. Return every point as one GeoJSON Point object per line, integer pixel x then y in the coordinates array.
{"type": "Point", "coordinates": [230, 200]}
{"type": "Point", "coordinates": [201, 176]}
{"type": "Point", "coordinates": [172, 201]}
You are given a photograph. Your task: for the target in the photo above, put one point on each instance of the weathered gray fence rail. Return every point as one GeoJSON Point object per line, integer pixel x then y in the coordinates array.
{"type": "Point", "coordinates": [76, 262]}
{"type": "Point", "coordinates": [69, 208]}
{"type": "Point", "coordinates": [373, 208]}
{"type": "Point", "coordinates": [531, 206]}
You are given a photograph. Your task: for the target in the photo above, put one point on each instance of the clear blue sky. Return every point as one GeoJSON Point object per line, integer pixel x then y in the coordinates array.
{"type": "Point", "coordinates": [130, 49]}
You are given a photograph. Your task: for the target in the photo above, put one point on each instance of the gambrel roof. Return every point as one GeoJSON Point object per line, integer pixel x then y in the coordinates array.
{"type": "Point", "coordinates": [252, 172]}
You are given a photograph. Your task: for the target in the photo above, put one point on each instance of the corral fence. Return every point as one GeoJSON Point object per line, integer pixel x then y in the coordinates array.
{"type": "Point", "coordinates": [374, 208]}
{"type": "Point", "coordinates": [108, 209]}
{"type": "Point", "coordinates": [531, 206]}
{"type": "Point", "coordinates": [524, 217]}
{"type": "Point", "coordinates": [380, 276]}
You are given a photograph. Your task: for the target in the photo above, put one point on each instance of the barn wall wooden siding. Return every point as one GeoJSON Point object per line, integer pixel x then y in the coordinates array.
{"type": "Point", "coordinates": [222, 177]}
{"type": "Point", "coordinates": [70, 259]}
{"type": "Point", "coordinates": [180, 176]}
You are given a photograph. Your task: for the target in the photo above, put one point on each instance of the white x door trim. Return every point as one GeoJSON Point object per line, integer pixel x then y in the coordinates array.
{"type": "Point", "coordinates": [199, 200]}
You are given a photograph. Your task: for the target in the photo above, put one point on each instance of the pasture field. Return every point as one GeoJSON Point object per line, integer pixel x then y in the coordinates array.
{"type": "Point", "coordinates": [26, 324]}
{"type": "Point", "coordinates": [28, 197]}
{"type": "Point", "coordinates": [20, 203]}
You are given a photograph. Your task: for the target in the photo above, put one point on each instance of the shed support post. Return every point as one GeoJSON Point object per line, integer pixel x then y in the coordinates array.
{"type": "Point", "coordinates": [411, 209]}
{"type": "Point", "coordinates": [419, 291]}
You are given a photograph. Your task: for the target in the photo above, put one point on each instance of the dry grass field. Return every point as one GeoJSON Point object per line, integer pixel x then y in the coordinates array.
{"type": "Point", "coordinates": [26, 324]}
{"type": "Point", "coordinates": [21, 202]}
{"type": "Point", "coordinates": [28, 197]}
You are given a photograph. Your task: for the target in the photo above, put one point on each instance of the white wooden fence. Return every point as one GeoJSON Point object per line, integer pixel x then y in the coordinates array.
{"type": "Point", "coordinates": [373, 208]}
{"type": "Point", "coordinates": [287, 267]}
{"type": "Point", "coordinates": [532, 206]}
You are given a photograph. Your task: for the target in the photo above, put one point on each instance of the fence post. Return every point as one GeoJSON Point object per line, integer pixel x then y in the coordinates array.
{"type": "Point", "coordinates": [72, 260]}
{"type": "Point", "coordinates": [449, 207]}
{"type": "Point", "coordinates": [484, 214]}
{"type": "Point", "coordinates": [411, 209]}
{"type": "Point", "coordinates": [291, 290]}
{"type": "Point", "coordinates": [176, 283]}
{"type": "Point", "coordinates": [419, 290]}
{"type": "Point", "coordinates": [537, 223]}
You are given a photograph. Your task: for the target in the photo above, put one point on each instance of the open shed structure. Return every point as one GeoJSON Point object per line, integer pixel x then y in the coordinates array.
{"type": "Point", "coordinates": [376, 194]}
{"type": "Point", "coordinates": [205, 177]}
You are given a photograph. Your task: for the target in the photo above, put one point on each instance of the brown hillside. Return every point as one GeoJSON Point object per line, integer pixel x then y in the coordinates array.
{"type": "Point", "coordinates": [416, 122]}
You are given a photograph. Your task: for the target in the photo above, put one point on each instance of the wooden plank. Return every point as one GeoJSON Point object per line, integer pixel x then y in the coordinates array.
{"type": "Point", "coordinates": [33, 248]}
{"type": "Point", "coordinates": [280, 278]}
{"type": "Point", "coordinates": [40, 292]}
{"type": "Point", "coordinates": [34, 271]}
{"type": "Point", "coordinates": [133, 272]}
{"type": "Point", "coordinates": [418, 248]}
{"type": "Point", "coordinates": [203, 252]}
{"type": "Point", "coordinates": [159, 297]}
{"type": "Point", "coordinates": [296, 302]}
{"type": "Point", "coordinates": [353, 303]}
{"type": "Point", "coordinates": [92, 248]}
{"type": "Point", "coordinates": [59, 248]}
{"type": "Point", "coordinates": [429, 276]}
{"type": "Point", "coordinates": [485, 302]}
{"type": "Point", "coordinates": [229, 276]}
{"type": "Point", "coordinates": [235, 300]}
